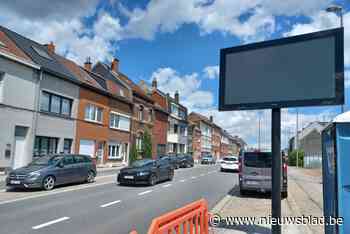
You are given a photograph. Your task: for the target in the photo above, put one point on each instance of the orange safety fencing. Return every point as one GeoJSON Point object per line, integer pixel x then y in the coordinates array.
{"type": "Point", "coordinates": [190, 219]}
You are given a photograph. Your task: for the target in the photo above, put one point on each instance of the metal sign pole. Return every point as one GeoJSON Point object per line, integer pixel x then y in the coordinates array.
{"type": "Point", "coordinates": [276, 168]}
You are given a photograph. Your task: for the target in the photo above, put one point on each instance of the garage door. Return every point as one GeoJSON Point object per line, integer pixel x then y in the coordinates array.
{"type": "Point", "coordinates": [87, 147]}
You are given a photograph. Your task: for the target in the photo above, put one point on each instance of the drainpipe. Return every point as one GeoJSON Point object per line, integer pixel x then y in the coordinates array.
{"type": "Point", "coordinates": [37, 108]}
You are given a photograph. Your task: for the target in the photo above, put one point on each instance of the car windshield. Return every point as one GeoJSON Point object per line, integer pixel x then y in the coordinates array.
{"type": "Point", "coordinates": [232, 159]}
{"type": "Point", "coordinates": [142, 163]}
{"type": "Point", "coordinates": [46, 160]}
{"type": "Point", "coordinates": [259, 159]}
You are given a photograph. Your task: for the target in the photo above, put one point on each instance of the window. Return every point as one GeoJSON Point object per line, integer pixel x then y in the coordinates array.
{"type": "Point", "coordinates": [55, 104]}
{"type": "Point", "coordinates": [150, 117]}
{"type": "Point", "coordinates": [174, 109]}
{"type": "Point", "coordinates": [2, 44]}
{"type": "Point", "coordinates": [68, 160]}
{"type": "Point", "coordinates": [122, 93]}
{"type": "Point", "coordinates": [67, 144]}
{"type": "Point", "coordinates": [93, 113]}
{"type": "Point", "coordinates": [45, 145]}
{"type": "Point", "coordinates": [80, 159]}
{"type": "Point", "coordinates": [175, 128]}
{"type": "Point", "coordinates": [119, 121]}
{"type": "Point", "coordinates": [139, 143]}
{"type": "Point", "coordinates": [41, 52]}
{"type": "Point", "coordinates": [114, 151]}
{"type": "Point", "coordinates": [140, 113]}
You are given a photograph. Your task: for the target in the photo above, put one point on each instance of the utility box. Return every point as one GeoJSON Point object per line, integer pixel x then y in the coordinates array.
{"type": "Point", "coordinates": [336, 175]}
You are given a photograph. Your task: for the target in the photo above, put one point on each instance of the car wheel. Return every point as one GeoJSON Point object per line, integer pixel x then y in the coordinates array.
{"type": "Point", "coordinates": [152, 180]}
{"type": "Point", "coordinates": [90, 177]}
{"type": "Point", "coordinates": [48, 183]}
{"type": "Point", "coordinates": [284, 194]}
{"type": "Point", "coordinates": [171, 175]}
{"type": "Point", "coordinates": [242, 192]}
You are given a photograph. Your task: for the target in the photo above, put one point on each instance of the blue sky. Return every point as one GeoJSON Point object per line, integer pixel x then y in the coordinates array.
{"type": "Point", "coordinates": [177, 42]}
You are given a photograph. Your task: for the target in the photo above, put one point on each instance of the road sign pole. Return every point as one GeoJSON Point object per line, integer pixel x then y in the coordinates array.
{"type": "Point", "coordinates": [276, 168]}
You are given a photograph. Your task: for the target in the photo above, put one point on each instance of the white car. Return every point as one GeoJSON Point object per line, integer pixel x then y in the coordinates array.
{"type": "Point", "coordinates": [229, 163]}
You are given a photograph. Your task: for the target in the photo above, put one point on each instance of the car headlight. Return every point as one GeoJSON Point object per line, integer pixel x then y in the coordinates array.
{"type": "Point", "coordinates": [142, 173]}
{"type": "Point", "coordinates": [33, 175]}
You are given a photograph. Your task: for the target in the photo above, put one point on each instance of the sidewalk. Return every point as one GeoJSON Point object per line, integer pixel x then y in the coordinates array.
{"type": "Point", "coordinates": [304, 198]}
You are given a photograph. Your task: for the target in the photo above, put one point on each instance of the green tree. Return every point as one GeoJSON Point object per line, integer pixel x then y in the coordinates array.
{"type": "Point", "coordinates": [292, 158]}
{"type": "Point", "coordinates": [147, 144]}
{"type": "Point", "coordinates": [133, 154]}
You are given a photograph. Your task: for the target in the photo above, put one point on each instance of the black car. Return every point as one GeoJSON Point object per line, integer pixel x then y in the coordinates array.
{"type": "Point", "coordinates": [186, 160]}
{"type": "Point", "coordinates": [146, 171]}
{"type": "Point", "coordinates": [173, 159]}
{"type": "Point", "coordinates": [50, 170]}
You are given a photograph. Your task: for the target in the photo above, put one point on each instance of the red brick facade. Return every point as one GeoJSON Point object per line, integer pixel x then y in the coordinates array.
{"type": "Point", "coordinates": [159, 133]}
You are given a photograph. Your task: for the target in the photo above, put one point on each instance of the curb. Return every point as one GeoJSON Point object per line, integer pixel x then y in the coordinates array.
{"type": "Point", "coordinates": [220, 205]}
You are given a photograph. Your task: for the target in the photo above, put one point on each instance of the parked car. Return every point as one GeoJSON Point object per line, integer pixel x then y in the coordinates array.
{"type": "Point", "coordinates": [185, 160]}
{"type": "Point", "coordinates": [207, 159]}
{"type": "Point", "coordinates": [50, 170]}
{"type": "Point", "coordinates": [146, 171]}
{"type": "Point", "coordinates": [229, 163]}
{"type": "Point", "coordinates": [173, 159]}
{"type": "Point", "coordinates": [255, 173]}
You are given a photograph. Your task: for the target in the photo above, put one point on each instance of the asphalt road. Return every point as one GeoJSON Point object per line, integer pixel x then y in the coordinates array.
{"type": "Point", "coordinates": [105, 207]}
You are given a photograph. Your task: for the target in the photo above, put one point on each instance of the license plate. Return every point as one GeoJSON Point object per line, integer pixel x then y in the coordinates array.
{"type": "Point", "coordinates": [252, 182]}
{"type": "Point", "coordinates": [15, 182]}
{"type": "Point", "coordinates": [128, 177]}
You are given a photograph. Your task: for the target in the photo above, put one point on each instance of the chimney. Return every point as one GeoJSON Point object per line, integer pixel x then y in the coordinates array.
{"type": "Point", "coordinates": [51, 47]}
{"type": "Point", "coordinates": [154, 83]}
{"type": "Point", "coordinates": [177, 96]}
{"type": "Point", "coordinates": [211, 118]}
{"type": "Point", "coordinates": [88, 64]}
{"type": "Point", "coordinates": [115, 65]}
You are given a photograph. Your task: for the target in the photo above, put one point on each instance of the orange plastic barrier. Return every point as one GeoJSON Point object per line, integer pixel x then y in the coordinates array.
{"type": "Point", "coordinates": [190, 219]}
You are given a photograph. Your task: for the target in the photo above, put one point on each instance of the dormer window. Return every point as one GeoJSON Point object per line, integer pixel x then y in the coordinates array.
{"type": "Point", "coordinates": [2, 44]}
{"type": "Point", "coordinates": [41, 52]}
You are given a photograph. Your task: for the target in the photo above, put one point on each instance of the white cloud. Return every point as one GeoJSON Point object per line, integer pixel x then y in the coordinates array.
{"type": "Point", "coordinates": [188, 86]}
{"type": "Point", "coordinates": [72, 38]}
{"type": "Point", "coordinates": [211, 72]}
{"type": "Point", "coordinates": [246, 19]}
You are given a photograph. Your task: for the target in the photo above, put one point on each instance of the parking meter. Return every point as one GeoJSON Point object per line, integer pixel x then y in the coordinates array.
{"type": "Point", "coordinates": [336, 175]}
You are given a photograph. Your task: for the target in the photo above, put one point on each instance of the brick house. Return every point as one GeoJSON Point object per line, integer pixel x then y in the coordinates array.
{"type": "Point", "coordinates": [194, 140]}
{"type": "Point", "coordinates": [225, 142]}
{"type": "Point", "coordinates": [160, 128]}
{"type": "Point", "coordinates": [177, 138]}
{"type": "Point", "coordinates": [104, 116]}
{"type": "Point", "coordinates": [142, 117]}
{"type": "Point", "coordinates": [216, 139]}
{"type": "Point", "coordinates": [205, 126]}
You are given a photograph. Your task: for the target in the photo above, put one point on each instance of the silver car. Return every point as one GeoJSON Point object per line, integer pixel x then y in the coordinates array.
{"type": "Point", "coordinates": [255, 173]}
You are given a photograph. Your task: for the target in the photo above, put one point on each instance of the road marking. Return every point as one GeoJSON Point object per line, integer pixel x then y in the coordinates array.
{"type": "Point", "coordinates": [201, 175]}
{"type": "Point", "coordinates": [45, 193]}
{"type": "Point", "coordinates": [182, 180]}
{"type": "Point", "coordinates": [193, 177]}
{"type": "Point", "coordinates": [145, 192]}
{"type": "Point", "coordinates": [50, 223]}
{"type": "Point", "coordinates": [110, 203]}
{"type": "Point", "coordinates": [166, 185]}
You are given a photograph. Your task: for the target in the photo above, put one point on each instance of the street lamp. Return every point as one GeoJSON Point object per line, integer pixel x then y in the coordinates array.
{"type": "Point", "coordinates": [338, 10]}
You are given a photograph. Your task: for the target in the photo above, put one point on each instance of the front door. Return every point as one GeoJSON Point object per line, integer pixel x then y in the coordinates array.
{"type": "Point", "coordinates": [20, 142]}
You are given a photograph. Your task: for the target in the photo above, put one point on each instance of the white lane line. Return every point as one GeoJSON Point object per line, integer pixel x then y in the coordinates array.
{"type": "Point", "coordinates": [50, 223]}
{"type": "Point", "coordinates": [182, 180]}
{"type": "Point", "coordinates": [45, 193]}
{"type": "Point", "coordinates": [193, 177]}
{"type": "Point", "coordinates": [110, 203]}
{"type": "Point", "coordinates": [201, 175]}
{"type": "Point", "coordinates": [166, 185]}
{"type": "Point", "coordinates": [145, 192]}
